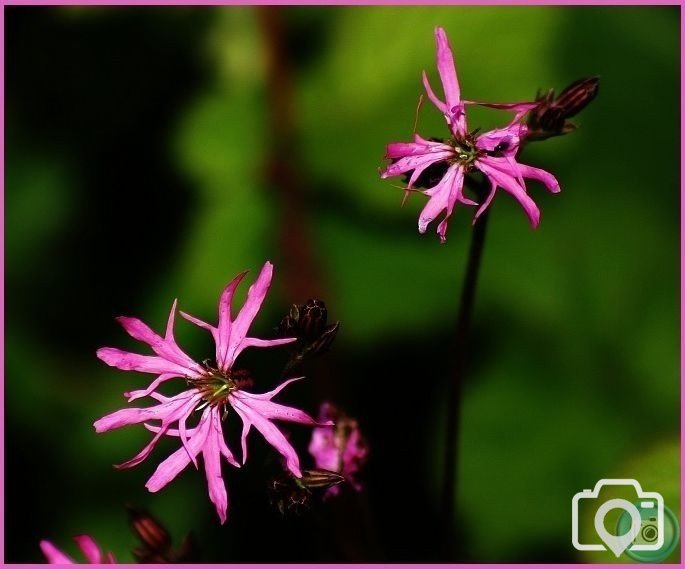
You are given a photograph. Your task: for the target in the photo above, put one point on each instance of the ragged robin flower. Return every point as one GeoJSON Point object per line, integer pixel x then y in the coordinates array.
{"type": "Point", "coordinates": [340, 448]}
{"type": "Point", "coordinates": [493, 153]}
{"type": "Point", "coordinates": [214, 390]}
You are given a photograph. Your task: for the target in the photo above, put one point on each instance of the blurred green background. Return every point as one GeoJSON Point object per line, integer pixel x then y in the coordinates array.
{"type": "Point", "coordinates": [155, 153]}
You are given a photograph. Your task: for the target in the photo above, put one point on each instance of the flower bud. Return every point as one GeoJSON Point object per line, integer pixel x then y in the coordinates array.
{"type": "Point", "coordinates": [550, 117]}
{"type": "Point", "coordinates": [313, 316]}
{"type": "Point", "coordinates": [156, 544]}
{"type": "Point", "coordinates": [308, 323]}
{"type": "Point", "coordinates": [291, 494]}
{"type": "Point", "coordinates": [577, 96]}
{"type": "Point", "coordinates": [320, 478]}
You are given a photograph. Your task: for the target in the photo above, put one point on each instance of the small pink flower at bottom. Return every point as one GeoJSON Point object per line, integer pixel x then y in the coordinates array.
{"type": "Point", "coordinates": [213, 392]}
{"type": "Point", "coordinates": [493, 153]}
{"type": "Point", "coordinates": [86, 544]}
{"type": "Point", "coordinates": [340, 448]}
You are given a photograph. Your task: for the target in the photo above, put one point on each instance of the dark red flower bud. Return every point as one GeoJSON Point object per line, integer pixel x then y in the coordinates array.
{"type": "Point", "coordinates": [320, 478]}
{"type": "Point", "coordinates": [156, 544]}
{"type": "Point", "coordinates": [308, 323]}
{"type": "Point", "coordinates": [313, 316]}
{"type": "Point", "coordinates": [550, 117]}
{"type": "Point", "coordinates": [577, 96]}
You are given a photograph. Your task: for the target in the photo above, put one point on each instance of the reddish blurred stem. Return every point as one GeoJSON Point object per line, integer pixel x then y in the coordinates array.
{"type": "Point", "coordinates": [468, 293]}
{"type": "Point", "coordinates": [300, 275]}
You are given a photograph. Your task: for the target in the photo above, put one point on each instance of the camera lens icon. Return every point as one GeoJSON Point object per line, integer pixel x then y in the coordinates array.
{"type": "Point", "coordinates": [648, 532]}
{"type": "Point", "coordinates": [640, 531]}
{"type": "Point", "coordinates": [649, 535]}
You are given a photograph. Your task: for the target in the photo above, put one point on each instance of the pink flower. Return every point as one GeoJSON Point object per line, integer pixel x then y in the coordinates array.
{"type": "Point", "coordinates": [212, 392]}
{"type": "Point", "coordinates": [86, 544]}
{"type": "Point", "coordinates": [340, 448]}
{"type": "Point", "coordinates": [493, 153]}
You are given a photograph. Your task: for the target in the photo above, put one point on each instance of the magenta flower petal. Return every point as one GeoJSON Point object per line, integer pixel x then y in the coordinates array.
{"type": "Point", "coordinates": [89, 548]}
{"type": "Point", "coordinates": [54, 555]}
{"type": "Point", "coordinates": [447, 70]}
{"type": "Point", "coordinates": [453, 107]}
{"type": "Point", "coordinates": [86, 544]}
{"type": "Point", "coordinates": [443, 197]}
{"type": "Point", "coordinates": [223, 340]}
{"type": "Point", "coordinates": [133, 395]}
{"type": "Point", "coordinates": [269, 431]}
{"type": "Point", "coordinates": [172, 466]}
{"type": "Point", "coordinates": [487, 202]}
{"type": "Point", "coordinates": [135, 415]}
{"type": "Point", "coordinates": [230, 334]}
{"type": "Point", "coordinates": [442, 107]}
{"type": "Point", "coordinates": [509, 183]}
{"type": "Point", "coordinates": [418, 147]}
{"type": "Point", "coordinates": [272, 410]}
{"type": "Point", "coordinates": [415, 162]}
{"type": "Point", "coordinates": [211, 454]}
{"type": "Point", "coordinates": [505, 140]}
{"type": "Point", "coordinates": [541, 176]}
{"type": "Point", "coordinates": [341, 448]}
{"type": "Point", "coordinates": [255, 297]}
{"type": "Point", "coordinates": [164, 347]}
{"type": "Point", "coordinates": [520, 109]}
{"type": "Point", "coordinates": [259, 343]}
{"type": "Point", "coordinates": [129, 361]}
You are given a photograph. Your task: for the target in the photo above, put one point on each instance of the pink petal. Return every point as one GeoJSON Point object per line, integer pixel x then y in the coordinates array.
{"type": "Point", "coordinates": [272, 410]}
{"type": "Point", "coordinates": [416, 162]}
{"type": "Point", "coordinates": [443, 196]}
{"type": "Point", "coordinates": [211, 453]}
{"type": "Point", "coordinates": [134, 415]}
{"type": "Point", "coordinates": [258, 343]}
{"type": "Point", "coordinates": [133, 395]}
{"type": "Point", "coordinates": [176, 462]}
{"type": "Point", "coordinates": [324, 450]}
{"type": "Point", "coordinates": [163, 347]}
{"type": "Point", "coordinates": [225, 324]}
{"type": "Point", "coordinates": [442, 107]}
{"type": "Point", "coordinates": [271, 394]}
{"type": "Point", "coordinates": [542, 176]}
{"type": "Point", "coordinates": [248, 312]}
{"type": "Point", "coordinates": [487, 202]}
{"type": "Point", "coordinates": [89, 548]}
{"type": "Point", "coordinates": [510, 137]}
{"type": "Point", "coordinates": [175, 411]}
{"type": "Point", "coordinates": [54, 555]}
{"type": "Point", "coordinates": [516, 107]}
{"type": "Point", "coordinates": [198, 322]}
{"type": "Point", "coordinates": [446, 69]}
{"type": "Point", "coordinates": [419, 146]}
{"type": "Point", "coordinates": [272, 435]}
{"type": "Point", "coordinates": [247, 424]}
{"type": "Point", "coordinates": [509, 183]}
{"type": "Point", "coordinates": [129, 361]}
{"type": "Point", "coordinates": [520, 109]}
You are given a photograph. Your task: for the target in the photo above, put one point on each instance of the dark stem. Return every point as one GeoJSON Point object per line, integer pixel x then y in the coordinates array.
{"type": "Point", "coordinates": [284, 171]}
{"type": "Point", "coordinates": [454, 389]}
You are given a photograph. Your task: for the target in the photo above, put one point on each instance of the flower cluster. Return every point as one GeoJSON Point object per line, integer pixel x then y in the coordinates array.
{"type": "Point", "coordinates": [493, 153]}
{"type": "Point", "coordinates": [214, 389]}
{"type": "Point", "coordinates": [340, 448]}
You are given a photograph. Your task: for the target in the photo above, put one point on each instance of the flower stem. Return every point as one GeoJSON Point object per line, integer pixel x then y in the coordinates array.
{"type": "Point", "coordinates": [454, 388]}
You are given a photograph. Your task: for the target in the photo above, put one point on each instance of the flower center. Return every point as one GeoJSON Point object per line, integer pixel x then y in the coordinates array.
{"type": "Point", "coordinates": [217, 385]}
{"type": "Point", "coordinates": [465, 150]}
